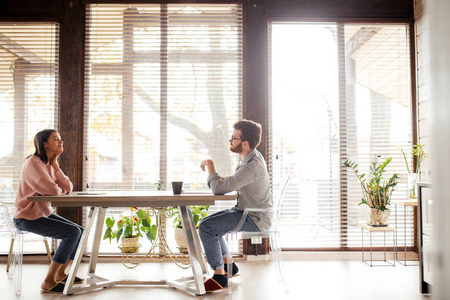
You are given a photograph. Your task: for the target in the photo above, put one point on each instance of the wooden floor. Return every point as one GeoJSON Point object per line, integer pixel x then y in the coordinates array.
{"type": "Point", "coordinates": [332, 280]}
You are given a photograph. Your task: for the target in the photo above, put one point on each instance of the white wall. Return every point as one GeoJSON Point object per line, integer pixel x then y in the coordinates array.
{"type": "Point", "coordinates": [437, 12]}
{"type": "Point", "coordinates": [423, 87]}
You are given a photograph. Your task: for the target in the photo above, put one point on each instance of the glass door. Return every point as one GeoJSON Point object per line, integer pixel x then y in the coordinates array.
{"type": "Point", "coordinates": [304, 130]}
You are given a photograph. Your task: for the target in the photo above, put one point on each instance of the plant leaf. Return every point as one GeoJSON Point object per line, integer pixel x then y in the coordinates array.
{"type": "Point", "coordinates": [120, 224]}
{"type": "Point", "coordinates": [141, 214]}
{"type": "Point", "coordinates": [145, 223]}
{"type": "Point", "coordinates": [128, 231]}
{"type": "Point", "coordinates": [153, 230]}
{"type": "Point", "coordinates": [196, 217]}
{"type": "Point", "coordinates": [107, 234]}
{"type": "Point", "coordinates": [150, 236]}
{"type": "Point", "coordinates": [109, 222]}
{"type": "Point", "coordinates": [119, 234]}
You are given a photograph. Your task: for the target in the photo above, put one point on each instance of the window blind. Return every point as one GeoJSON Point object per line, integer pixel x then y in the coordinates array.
{"type": "Point", "coordinates": [163, 89]}
{"type": "Point", "coordinates": [28, 96]}
{"type": "Point", "coordinates": [336, 91]}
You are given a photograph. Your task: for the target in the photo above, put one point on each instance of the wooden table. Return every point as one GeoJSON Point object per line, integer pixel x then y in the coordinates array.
{"type": "Point", "coordinates": [99, 201]}
{"type": "Point", "coordinates": [405, 203]}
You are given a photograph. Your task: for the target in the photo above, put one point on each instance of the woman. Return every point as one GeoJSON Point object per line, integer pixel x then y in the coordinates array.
{"type": "Point", "coordinates": [41, 175]}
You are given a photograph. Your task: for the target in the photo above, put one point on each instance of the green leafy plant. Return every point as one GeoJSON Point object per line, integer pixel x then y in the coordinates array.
{"type": "Point", "coordinates": [198, 213]}
{"type": "Point", "coordinates": [138, 223]}
{"type": "Point", "coordinates": [160, 185]}
{"type": "Point", "coordinates": [377, 192]}
{"type": "Point", "coordinates": [417, 150]}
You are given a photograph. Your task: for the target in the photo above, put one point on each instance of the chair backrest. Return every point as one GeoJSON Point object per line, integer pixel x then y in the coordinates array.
{"type": "Point", "coordinates": [7, 200]}
{"type": "Point", "coordinates": [278, 201]}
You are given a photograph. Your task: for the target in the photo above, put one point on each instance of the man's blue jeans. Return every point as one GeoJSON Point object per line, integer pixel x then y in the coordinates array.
{"type": "Point", "coordinates": [212, 229]}
{"type": "Point", "coordinates": [56, 227]}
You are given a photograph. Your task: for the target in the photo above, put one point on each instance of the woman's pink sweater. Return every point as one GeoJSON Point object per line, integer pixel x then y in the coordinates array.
{"type": "Point", "coordinates": [37, 178]}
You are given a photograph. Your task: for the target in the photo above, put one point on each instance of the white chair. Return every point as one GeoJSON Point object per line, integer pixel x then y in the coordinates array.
{"type": "Point", "coordinates": [15, 255]}
{"type": "Point", "coordinates": [273, 234]}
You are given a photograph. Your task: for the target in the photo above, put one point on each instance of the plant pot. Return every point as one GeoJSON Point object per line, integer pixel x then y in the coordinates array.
{"type": "Point", "coordinates": [180, 239]}
{"type": "Point", "coordinates": [378, 217]}
{"type": "Point", "coordinates": [130, 245]}
{"type": "Point", "coordinates": [412, 185]}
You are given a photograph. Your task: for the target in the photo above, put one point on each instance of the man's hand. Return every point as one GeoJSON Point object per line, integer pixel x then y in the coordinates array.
{"type": "Point", "coordinates": [208, 163]}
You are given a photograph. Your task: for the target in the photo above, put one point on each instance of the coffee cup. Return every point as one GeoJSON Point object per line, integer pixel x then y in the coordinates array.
{"type": "Point", "coordinates": [177, 187]}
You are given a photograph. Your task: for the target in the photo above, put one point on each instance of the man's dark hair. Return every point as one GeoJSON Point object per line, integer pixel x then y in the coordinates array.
{"type": "Point", "coordinates": [250, 132]}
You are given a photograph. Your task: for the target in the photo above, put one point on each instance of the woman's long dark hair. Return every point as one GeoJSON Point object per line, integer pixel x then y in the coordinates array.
{"type": "Point", "coordinates": [39, 139]}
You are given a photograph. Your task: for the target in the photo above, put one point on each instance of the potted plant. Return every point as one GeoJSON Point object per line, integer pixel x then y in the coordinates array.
{"type": "Point", "coordinates": [417, 150]}
{"type": "Point", "coordinates": [198, 213]}
{"type": "Point", "coordinates": [130, 228]}
{"type": "Point", "coordinates": [376, 192]}
{"type": "Point", "coordinates": [160, 185]}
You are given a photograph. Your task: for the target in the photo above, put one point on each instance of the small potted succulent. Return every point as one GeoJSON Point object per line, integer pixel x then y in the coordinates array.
{"type": "Point", "coordinates": [130, 228]}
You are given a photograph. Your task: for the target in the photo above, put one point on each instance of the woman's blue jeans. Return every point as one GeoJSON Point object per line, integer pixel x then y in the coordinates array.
{"type": "Point", "coordinates": [55, 227]}
{"type": "Point", "coordinates": [212, 229]}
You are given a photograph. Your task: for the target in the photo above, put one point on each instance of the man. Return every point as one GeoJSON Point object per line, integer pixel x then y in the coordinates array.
{"type": "Point", "coordinates": [251, 181]}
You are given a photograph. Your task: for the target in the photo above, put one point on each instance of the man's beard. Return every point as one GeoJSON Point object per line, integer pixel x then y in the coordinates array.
{"type": "Point", "coordinates": [236, 149]}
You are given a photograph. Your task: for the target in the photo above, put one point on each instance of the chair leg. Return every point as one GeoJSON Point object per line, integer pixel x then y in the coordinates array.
{"type": "Point", "coordinates": [49, 255]}
{"type": "Point", "coordinates": [18, 258]}
{"type": "Point", "coordinates": [229, 241]}
{"type": "Point", "coordinates": [275, 257]}
{"type": "Point", "coordinates": [11, 247]}
{"type": "Point", "coordinates": [279, 261]}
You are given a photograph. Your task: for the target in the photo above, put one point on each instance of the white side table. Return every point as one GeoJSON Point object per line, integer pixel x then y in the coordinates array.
{"type": "Point", "coordinates": [374, 229]}
{"type": "Point", "coordinates": [407, 205]}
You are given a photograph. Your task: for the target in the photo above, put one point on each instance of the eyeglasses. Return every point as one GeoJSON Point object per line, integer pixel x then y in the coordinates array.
{"type": "Point", "coordinates": [235, 139]}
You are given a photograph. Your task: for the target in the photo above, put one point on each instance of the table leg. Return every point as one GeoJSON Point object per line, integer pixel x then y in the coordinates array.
{"type": "Point", "coordinates": [196, 241]}
{"type": "Point", "coordinates": [69, 288]}
{"type": "Point", "coordinates": [404, 246]}
{"type": "Point", "coordinates": [97, 240]}
{"type": "Point", "coordinates": [404, 222]}
{"type": "Point", "coordinates": [394, 241]}
{"type": "Point", "coordinates": [371, 250]}
{"type": "Point", "coordinates": [198, 264]}
{"type": "Point", "coordinates": [362, 245]}
{"type": "Point", "coordinates": [80, 250]}
{"type": "Point", "coordinates": [396, 229]}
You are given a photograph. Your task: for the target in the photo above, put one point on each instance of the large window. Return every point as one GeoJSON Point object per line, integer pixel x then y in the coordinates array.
{"type": "Point", "coordinates": [28, 99]}
{"type": "Point", "coordinates": [337, 91]}
{"type": "Point", "coordinates": [163, 88]}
